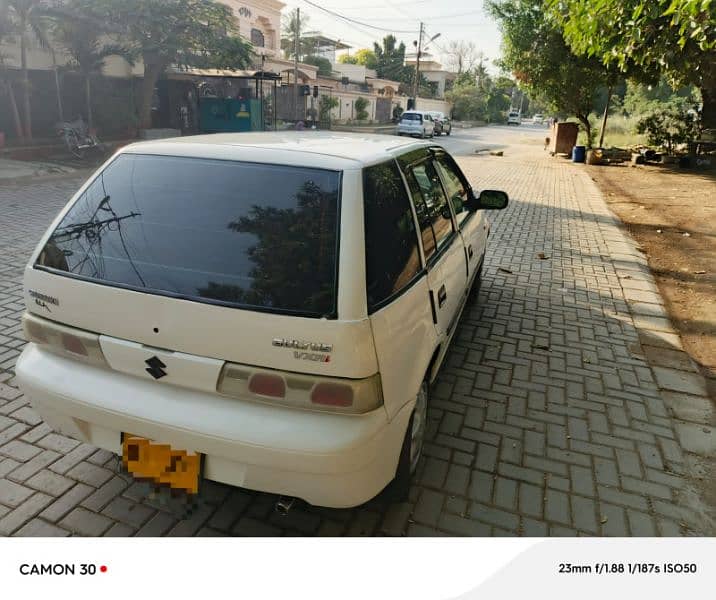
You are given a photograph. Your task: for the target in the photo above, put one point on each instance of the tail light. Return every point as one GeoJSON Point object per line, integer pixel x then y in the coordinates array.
{"type": "Point", "coordinates": [68, 341]}
{"type": "Point", "coordinates": [332, 394]}
{"type": "Point", "coordinates": [265, 384]}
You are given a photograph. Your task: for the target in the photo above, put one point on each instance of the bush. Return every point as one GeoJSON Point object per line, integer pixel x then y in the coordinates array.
{"type": "Point", "coordinates": [669, 126]}
{"type": "Point", "coordinates": [325, 105]}
{"type": "Point", "coordinates": [360, 105]}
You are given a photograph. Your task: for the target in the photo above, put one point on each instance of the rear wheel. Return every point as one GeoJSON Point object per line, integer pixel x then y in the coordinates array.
{"type": "Point", "coordinates": [412, 447]}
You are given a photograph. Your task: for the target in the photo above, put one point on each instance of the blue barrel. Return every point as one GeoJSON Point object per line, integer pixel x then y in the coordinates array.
{"type": "Point", "coordinates": [579, 154]}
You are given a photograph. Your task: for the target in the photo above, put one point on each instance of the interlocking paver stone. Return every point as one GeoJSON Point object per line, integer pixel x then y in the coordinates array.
{"type": "Point", "coordinates": [565, 405]}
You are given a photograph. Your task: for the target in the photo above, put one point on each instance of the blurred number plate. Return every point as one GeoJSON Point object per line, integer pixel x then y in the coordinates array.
{"type": "Point", "coordinates": [161, 464]}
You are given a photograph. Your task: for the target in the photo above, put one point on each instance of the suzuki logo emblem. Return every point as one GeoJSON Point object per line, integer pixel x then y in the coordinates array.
{"type": "Point", "coordinates": [155, 367]}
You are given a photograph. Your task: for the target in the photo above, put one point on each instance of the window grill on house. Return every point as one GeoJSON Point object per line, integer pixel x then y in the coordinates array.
{"type": "Point", "coordinates": [257, 38]}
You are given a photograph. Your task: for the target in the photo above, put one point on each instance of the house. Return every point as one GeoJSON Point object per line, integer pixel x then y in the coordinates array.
{"type": "Point", "coordinates": [433, 71]}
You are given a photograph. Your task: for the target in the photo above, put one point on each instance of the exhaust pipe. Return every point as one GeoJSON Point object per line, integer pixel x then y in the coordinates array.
{"type": "Point", "coordinates": [283, 505]}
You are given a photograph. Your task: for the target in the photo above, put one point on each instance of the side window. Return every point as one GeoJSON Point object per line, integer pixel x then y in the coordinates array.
{"type": "Point", "coordinates": [455, 186]}
{"type": "Point", "coordinates": [391, 242]}
{"type": "Point", "coordinates": [433, 209]}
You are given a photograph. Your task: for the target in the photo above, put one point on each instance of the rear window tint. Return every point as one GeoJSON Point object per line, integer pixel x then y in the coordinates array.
{"type": "Point", "coordinates": [391, 243]}
{"type": "Point", "coordinates": [251, 235]}
{"type": "Point", "coordinates": [412, 117]}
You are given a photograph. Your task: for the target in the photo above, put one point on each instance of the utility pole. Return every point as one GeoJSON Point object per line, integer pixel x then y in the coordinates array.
{"type": "Point", "coordinates": [295, 62]}
{"type": "Point", "coordinates": [416, 87]}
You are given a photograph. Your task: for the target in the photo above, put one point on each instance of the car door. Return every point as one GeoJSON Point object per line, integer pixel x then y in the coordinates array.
{"type": "Point", "coordinates": [473, 225]}
{"type": "Point", "coordinates": [397, 293]}
{"type": "Point", "coordinates": [442, 245]}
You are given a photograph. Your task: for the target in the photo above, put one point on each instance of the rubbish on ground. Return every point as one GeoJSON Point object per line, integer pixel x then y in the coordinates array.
{"type": "Point", "coordinates": [699, 272]}
{"type": "Point", "coordinates": [540, 347]}
{"type": "Point", "coordinates": [496, 153]}
{"type": "Point", "coordinates": [504, 270]}
{"type": "Point", "coordinates": [542, 256]}
{"type": "Point", "coordinates": [686, 234]}
{"type": "Point", "coordinates": [658, 231]}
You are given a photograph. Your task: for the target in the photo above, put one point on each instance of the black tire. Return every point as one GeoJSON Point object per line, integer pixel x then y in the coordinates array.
{"type": "Point", "coordinates": [448, 132]}
{"type": "Point", "coordinates": [399, 488]}
{"type": "Point", "coordinates": [476, 284]}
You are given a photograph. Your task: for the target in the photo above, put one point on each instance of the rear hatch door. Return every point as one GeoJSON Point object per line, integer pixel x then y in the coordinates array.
{"type": "Point", "coordinates": [198, 261]}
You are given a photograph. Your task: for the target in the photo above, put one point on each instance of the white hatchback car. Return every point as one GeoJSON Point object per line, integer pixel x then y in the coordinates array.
{"type": "Point", "coordinates": [415, 122]}
{"type": "Point", "coordinates": [265, 310]}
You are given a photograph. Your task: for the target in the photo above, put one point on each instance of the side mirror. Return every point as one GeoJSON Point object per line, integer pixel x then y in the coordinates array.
{"type": "Point", "coordinates": [488, 199]}
{"type": "Point", "coordinates": [493, 199]}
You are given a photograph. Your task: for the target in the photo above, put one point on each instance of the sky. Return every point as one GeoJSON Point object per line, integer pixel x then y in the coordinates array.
{"type": "Point", "coordinates": [454, 20]}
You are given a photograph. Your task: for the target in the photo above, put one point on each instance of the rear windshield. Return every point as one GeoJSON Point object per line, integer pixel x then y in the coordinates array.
{"type": "Point", "coordinates": [244, 234]}
{"type": "Point", "coordinates": [412, 117]}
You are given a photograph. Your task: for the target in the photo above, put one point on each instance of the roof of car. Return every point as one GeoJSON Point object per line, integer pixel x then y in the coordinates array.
{"type": "Point", "coordinates": [315, 148]}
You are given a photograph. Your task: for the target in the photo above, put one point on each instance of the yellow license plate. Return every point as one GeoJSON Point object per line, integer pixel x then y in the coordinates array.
{"type": "Point", "coordinates": [161, 464]}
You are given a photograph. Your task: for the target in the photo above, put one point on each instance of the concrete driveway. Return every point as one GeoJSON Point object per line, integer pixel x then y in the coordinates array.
{"type": "Point", "coordinates": [546, 419]}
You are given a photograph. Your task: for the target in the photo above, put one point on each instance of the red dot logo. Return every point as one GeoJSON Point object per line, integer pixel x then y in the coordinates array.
{"type": "Point", "coordinates": [103, 569]}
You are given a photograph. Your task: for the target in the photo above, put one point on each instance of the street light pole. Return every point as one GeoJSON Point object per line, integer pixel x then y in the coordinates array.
{"type": "Point", "coordinates": [295, 63]}
{"type": "Point", "coordinates": [419, 45]}
{"type": "Point", "coordinates": [416, 85]}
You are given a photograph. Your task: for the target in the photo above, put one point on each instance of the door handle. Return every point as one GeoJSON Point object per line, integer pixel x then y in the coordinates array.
{"type": "Point", "coordinates": [469, 251]}
{"type": "Point", "coordinates": [442, 296]}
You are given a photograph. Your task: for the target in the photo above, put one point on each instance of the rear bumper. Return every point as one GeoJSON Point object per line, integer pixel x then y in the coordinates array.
{"type": "Point", "coordinates": [417, 130]}
{"type": "Point", "coordinates": [326, 459]}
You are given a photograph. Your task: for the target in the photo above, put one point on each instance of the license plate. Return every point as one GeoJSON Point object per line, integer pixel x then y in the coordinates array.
{"type": "Point", "coordinates": [161, 464]}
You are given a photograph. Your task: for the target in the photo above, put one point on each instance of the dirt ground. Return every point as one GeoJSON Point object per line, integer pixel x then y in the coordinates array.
{"type": "Point", "coordinates": [671, 213]}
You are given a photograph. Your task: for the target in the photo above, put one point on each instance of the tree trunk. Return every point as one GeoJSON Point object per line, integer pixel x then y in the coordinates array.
{"type": "Point", "coordinates": [58, 89]}
{"type": "Point", "coordinates": [13, 109]}
{"type": "Point", "coordinates": [584, 120]}
{"type": "Point", "coordinates": [88, 100]}
{"type": "Point", "coordinates": [27, 125]}
{"type": "Point", "coordinates": [708, 114]}
{"type": "Point", "coordinates": [152, 71]}
{"type": "Point", "coordinates": [604, 119]}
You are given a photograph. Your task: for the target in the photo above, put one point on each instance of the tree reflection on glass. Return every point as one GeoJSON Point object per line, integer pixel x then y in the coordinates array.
{"type": "Point", "coordinates": [294, 257]}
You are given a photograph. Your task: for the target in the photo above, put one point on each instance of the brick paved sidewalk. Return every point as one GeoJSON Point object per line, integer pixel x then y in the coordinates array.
{"type": "Point", "coordinates": [546, 420]}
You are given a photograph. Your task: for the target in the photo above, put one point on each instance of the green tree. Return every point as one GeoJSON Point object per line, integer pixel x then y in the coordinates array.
{"type": "Point", "coordinates": [184, 33]}
{"type": "Point", "coordinates": [325, 68]}
{"type": "Point", "coordinates": [640, 98]}
{"type": "Point", "coordinates": [294, 27]}
{"type": "Point", "coordinates": [30, 20]}
{"type": "Point", "coordinates": [390, 59]}
{"type": "Point", "coordinates": [648, 39]}
{"type": "Point", "coordinates": [81, 37]}
{"type": "Point", "coordinates": [325, 105]}
{"type": "Point", "coordinates": [536, 52]}
{"type": "Point", "coordinates": [360, 105]}
{"type": "Point", "coordinates": [367, 58]}
{"type": "Point", "coordinates": [348, 59]}
{"type": "Point", "coordinates": [7, 31]}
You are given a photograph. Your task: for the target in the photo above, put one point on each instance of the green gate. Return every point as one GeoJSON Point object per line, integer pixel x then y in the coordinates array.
{"type": "Point", "coordinates": [227, 114]}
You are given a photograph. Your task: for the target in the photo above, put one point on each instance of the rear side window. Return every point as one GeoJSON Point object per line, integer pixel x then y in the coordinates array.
{"type": "Point", "coordinates": [251, 235]}
{"type": "Point", "coordinates": [391, 243]}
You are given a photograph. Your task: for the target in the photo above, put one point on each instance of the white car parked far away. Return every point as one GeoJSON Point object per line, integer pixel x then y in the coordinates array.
{"type": "Point", "coordinates": [414, 122]}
